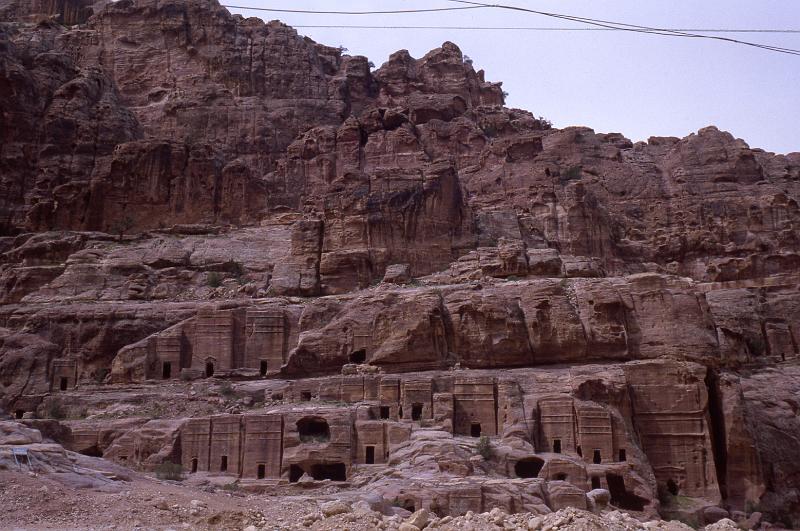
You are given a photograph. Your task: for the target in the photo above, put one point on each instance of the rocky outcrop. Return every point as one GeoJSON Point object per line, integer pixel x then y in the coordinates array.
{"type": "Point", "coordinates": [191, 196]}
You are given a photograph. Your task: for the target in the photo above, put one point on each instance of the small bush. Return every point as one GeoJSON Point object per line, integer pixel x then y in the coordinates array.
{"type": "Point", "coordinates": [227, 390]}
{"type": "Point", "coordinates": [214, 280]}
{"type": "Point", "coordinates": [54, 409]}
{"type": "Point", "coordinates": [171, 471]}
{"type": "Point", "coordinates": [100, 375]}
{"type": "Point", "coordinates": [484, 447]}
{"type": "Point", "coordinates": [573, 173]}
{"type": "Point", "coordinates": [231, 486]}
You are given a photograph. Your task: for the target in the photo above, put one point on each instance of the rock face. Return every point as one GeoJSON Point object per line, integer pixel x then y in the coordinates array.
{"type": "Point", "coordinates": [392, 265]}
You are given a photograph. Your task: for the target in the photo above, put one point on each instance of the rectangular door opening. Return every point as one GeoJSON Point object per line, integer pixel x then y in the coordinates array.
{"type": "Point", "coordinates": [596, 458]}
{"type": "Point", "coordinates": [166, 370]}
{"type": "Point", "coordinates": [556, 446]}
{"type": "Point", "coordinates": [262, 471]}
{"type": "Point", "coordinates": [223, 463]}
{"type": "Point", "coordinates": [622, 456]}
{"type": "Point", "coordinates": [384, 412]}
{"type": "Point", "coordinates": [370, 457]}
{"type": "Point", "coordinates": [416, 411]}
{"type": "Point", "coordinates": [262, 370]}
{"type": "Point", "coordinates": [63, 384]}
{"type": "Point", "coordinates": [194, 465]}
{"type": "Point", "coordinates": [475, 429]}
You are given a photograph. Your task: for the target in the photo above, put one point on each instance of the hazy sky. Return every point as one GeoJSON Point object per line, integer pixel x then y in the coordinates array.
{"type": "Point", "coordinates": [639, 85]}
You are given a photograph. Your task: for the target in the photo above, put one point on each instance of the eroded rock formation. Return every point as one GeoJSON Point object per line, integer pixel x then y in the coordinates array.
{"type": "Point", "coordinates": [392, 265]}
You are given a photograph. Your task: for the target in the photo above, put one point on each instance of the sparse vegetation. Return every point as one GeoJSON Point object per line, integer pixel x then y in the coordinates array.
{"type": "Point", "coordinates": [484, 447]}
{"type": "Point", "coordinates": [231, 486]}
{"type": "Point", "coordinates": [54, 409]}
{"type": "Point", "coordinates": [100, 375]}
{"type": "Point", "coordinates": [171, 471]}
{"type": "Point", "coordinates": [121, 226]}
{"type": "Point", "coordinates": [214, 280]}
{"type": "Point", "coordinates": [226, 389]}
{"type": "Point", "coordinates": [573, 173]}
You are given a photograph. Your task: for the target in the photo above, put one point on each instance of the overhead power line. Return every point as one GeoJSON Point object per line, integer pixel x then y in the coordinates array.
{"type": "Point", "coordinates": [533, 28]}
{"type": "Point", "coordinates": [391, 12]}
{"type": "Point", "coordinates": [631, 27]}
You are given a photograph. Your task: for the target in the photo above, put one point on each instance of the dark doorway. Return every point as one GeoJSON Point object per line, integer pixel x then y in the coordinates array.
{"type": "Point", "coordinates": [561, 477]}
{"type": "Point", "coordinates": [262, 368]}
{"type": "Point", "coordinates": [596, 458]}
{"type": "Point", "coordinates": [579, 450]}
{"type": "Point", "coordinates": [528, 467]}
{"type": "Point", "coordinates": [63, 384]}
{"type": "Point", "coordinates": [209, 369]}
{"type": "Point", "coordinates": [672, 487]}
{"type": "Point", "coordinates": [332, 471]}
{"type": "Point", "coordinates": [595, 482]}
{"type": "Point", "coordinates": [384, 412]}
{"type": "Point", "coordinates": [475, 429]}
{"type": "Point", "coordinates": [416, 411]}
{"type": "Point", "coordinates": [556, 446]}
{"type": "Point", "coordinates": [400, 411]}
{"type": "Point", "coordinates": [313, 429]}
{"type": "Point", "coordinates": [92, 451]}
{"type": "Point", "coordinates": [622, 456]}
{"type": "Point", "coordinates": [370, 457]}
{"type": "Point", "coordinates": [358, 356]}
{"type": "Point", "coordinates": [305, 396]}
{"type": "Point", "coordinates": [19, 413]}
{"type": "Point", "coordinates": [194, 465]}
{"type": "Point", "coordinates": [262, 471]}
{"type": "Point", "coordinates": [166, 370]}
{"type": "Point", "coordinates": [621, 497]}
{"type": "Point", "coordinates": [295, 473]}
{"type": "Point", "coordinates": [223, 463]}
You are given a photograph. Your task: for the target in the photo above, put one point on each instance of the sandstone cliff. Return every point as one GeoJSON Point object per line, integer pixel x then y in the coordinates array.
{"type": "Point", "coordinates": [191, 194]}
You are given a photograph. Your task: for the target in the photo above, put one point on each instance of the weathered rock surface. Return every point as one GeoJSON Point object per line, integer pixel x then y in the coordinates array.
{"type": "Point", "coordinates": [390, 264]}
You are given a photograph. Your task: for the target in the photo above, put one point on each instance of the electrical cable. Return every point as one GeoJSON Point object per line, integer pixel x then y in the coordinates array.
{"type": "Point", "coordinates": [630, 27]}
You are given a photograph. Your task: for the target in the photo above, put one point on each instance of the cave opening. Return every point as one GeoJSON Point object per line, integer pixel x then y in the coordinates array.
{"type": "Point", "coordinates": [295, 473]}
{"type": "Point", "coordinates": [92, 451]}
{"type": "Point", "coordinates": [19, 413]}
{"type": "Point", "coordinates": [528, 467]}
{"type": "Point", "coordinates": [621, 497]}
{"type": "Point", "coordinates": [358, 356]}
{"type": "Point", "coordinates": [475, 429]}
{"type": "Point", "coordinates": [313, 429]}
{"type": "Point", "coordinates": [332, 471]}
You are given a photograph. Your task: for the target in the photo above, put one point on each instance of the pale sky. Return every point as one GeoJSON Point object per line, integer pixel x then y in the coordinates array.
{"type": "Point", "coordinates": [635, 84]}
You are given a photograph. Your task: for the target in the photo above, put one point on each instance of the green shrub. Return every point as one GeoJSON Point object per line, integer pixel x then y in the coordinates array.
{"type": "Point", "coordinates": [100, 375]}
{"type": "Point", "coordinates": [214, 279]}
{"type": "Point", "coordinates": [54, 409]}
{"type": "Point", "coordinates": [484, 447]}
{"type": "Point", "coordinates": [573, 173]}
{"type": "Point", "coordinates": [171, 471]}
{"type": "Point", "coordinates": [227, 390]}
